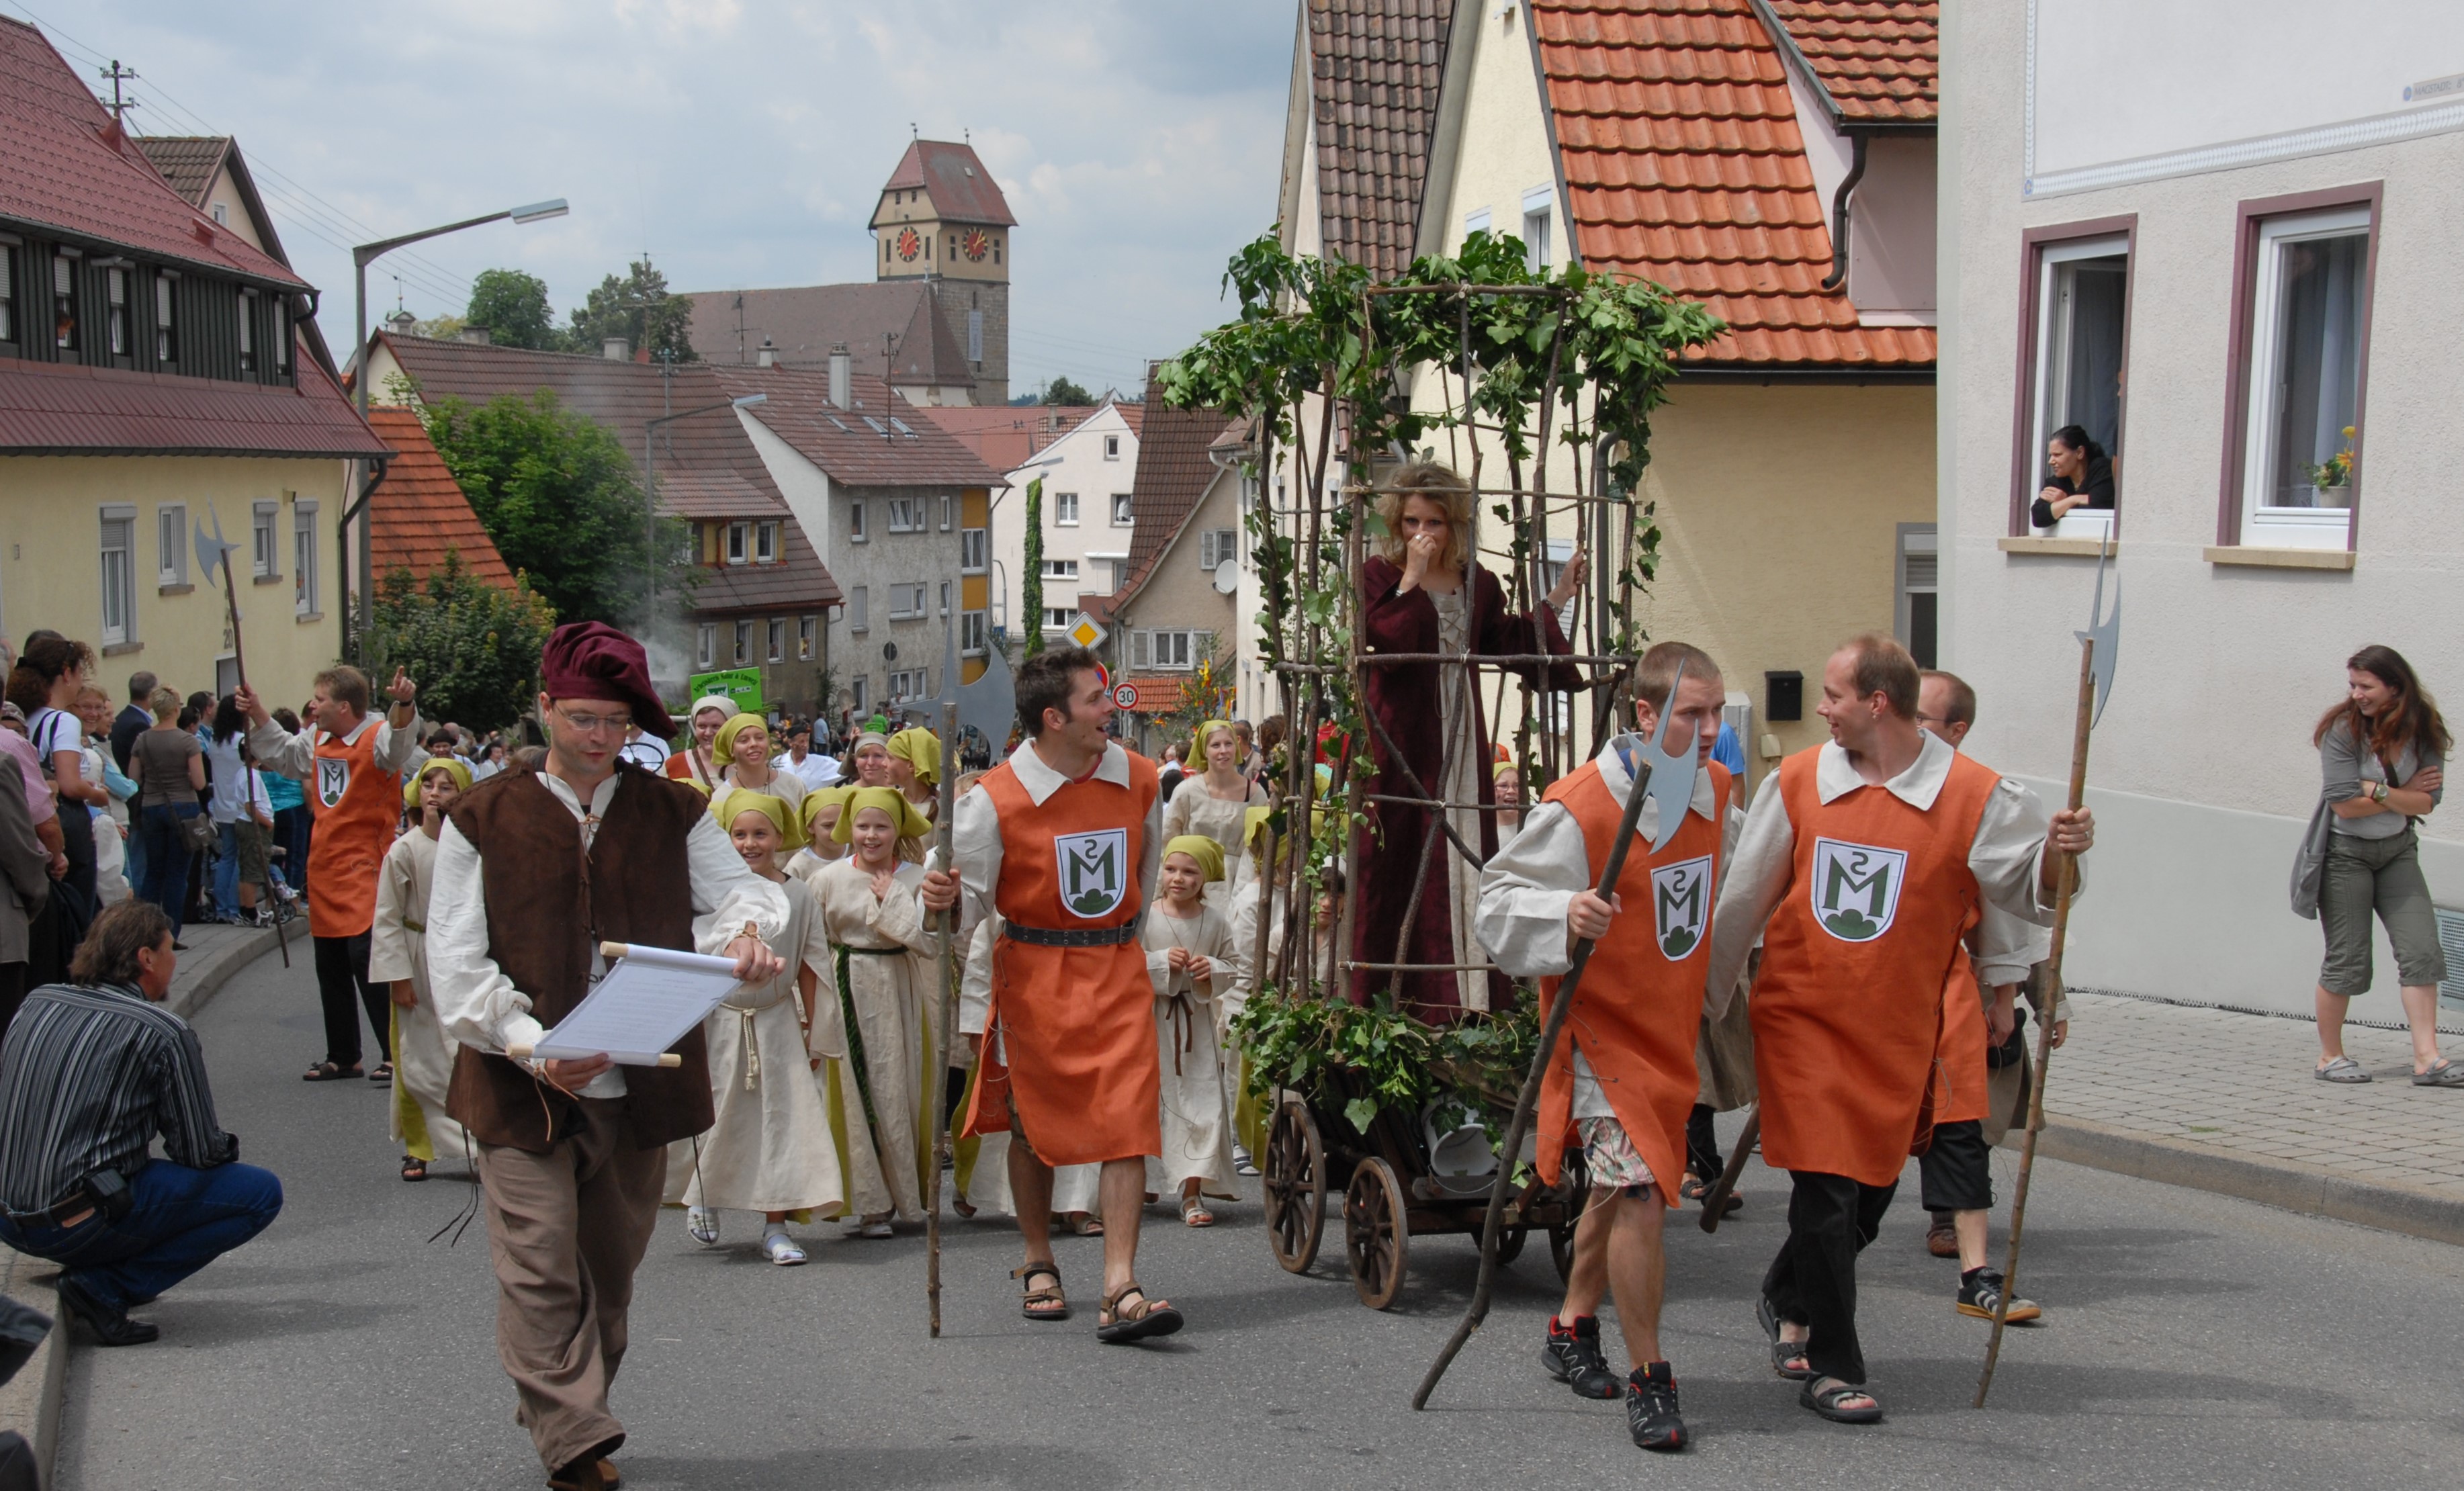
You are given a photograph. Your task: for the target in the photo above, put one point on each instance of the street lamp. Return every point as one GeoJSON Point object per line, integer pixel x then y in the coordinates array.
{"type": "Point", "coordinates": [361, 258]}
{"type": "Point", "coordinates": [650, 481]}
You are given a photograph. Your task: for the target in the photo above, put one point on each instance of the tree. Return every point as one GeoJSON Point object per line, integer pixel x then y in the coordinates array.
{"type": "Point", "coordinates": [639, 309]}
{"type": "Point", "coordinates": [1030, 584]}
{"type": "Point", "coordinates": [474, 648]}
{"type": "Point", "coordinates": [557, 495]}
{"type": "Point", "coordinates": [1062, 390]}
{"type": "Point", "coordinates": [514, 308]}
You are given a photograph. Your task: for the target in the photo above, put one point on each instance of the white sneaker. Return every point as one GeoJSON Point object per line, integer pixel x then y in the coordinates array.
{"type": "Point", "coordinates": [877, 1230]}
{"type": "Point", "coordinates": [1241, 1162]}
{"type": "Point", "coordinates": [703, 1223]}
{"type": "Point", "coordinates": [781, 1249]}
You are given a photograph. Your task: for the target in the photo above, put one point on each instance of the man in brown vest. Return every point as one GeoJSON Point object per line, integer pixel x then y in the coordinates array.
{"type": "Point", "coordinates": [534, 869]}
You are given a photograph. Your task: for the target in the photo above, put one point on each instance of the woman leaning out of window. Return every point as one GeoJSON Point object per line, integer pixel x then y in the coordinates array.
{"type": "Point", "coordinates": [2081, 477]}
{"type": "Point", "coordinates": [2381, 753]}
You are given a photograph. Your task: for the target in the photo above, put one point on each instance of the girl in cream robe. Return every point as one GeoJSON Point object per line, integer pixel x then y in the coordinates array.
{"type": "Point", "coordinates": [423, 1057]}
{"type": "Point", "coordinates": [1190, 956]}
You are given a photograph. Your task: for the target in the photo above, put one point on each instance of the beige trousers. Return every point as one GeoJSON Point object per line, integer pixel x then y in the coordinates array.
{"type": "Point", "coordinates": [567, 1230]}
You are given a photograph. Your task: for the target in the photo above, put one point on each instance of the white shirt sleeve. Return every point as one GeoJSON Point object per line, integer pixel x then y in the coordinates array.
{"type": "Point", "coordinates": [285, 755]}
{"type": "Point", "coordinates": [975, 984]}
{"type": "Point", "coordinates": [475, 1003]}
{"type": "Point", "coordinates": [396, 749]}
{"type": "Point", "coordinates": [1757, 877]}
{"type": "Point", "coordinates": [975, 841]}
{"type": "Point", "coordinates": [2008, 853]}
{"type": "Point", "coordinates": [1524, 889]}
{"type": "Point", "coordinates": [725, 889]}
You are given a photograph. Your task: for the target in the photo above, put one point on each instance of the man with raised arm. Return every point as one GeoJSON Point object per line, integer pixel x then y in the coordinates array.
{"type": "Point", "coordinates": [533, 871]}
{"type": "Point", "coordinates": [1864, 863]}
{"type": "Point", "coordinates": [1064, 839]}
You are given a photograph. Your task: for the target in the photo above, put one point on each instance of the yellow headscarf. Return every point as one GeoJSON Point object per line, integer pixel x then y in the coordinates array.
{"type": "Point", "coordinates": [1198, 742]}
{"type": "Point", "coordinates": [921, 749]}
{"type": "Point", "coordinates": [737, 725]}
{"type": "Point", "coordinates": [1501, 768]}
{"type": "Point", "coordinates": [731, 803]}
{"type": "Point", "coordinates": [1208, 854]}
{"type": "Point", "coordinates": [911, 825]}
{"type": "Point", "coordinates": [818, 799]}
{"type": "Point", "coordinates": [451, 765]}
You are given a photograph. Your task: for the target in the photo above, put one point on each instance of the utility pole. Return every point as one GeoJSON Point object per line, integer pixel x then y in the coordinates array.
{"type": "Point", "coordinates": [118, 105]}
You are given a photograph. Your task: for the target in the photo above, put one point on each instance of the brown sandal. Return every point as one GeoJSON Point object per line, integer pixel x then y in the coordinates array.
{"type": "Point", "coordinates": [1116, 1323]}
{"type": "Point", "coordinates": [1047, 1303]}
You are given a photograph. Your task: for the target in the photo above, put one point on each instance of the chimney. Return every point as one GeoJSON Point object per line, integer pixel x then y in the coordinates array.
{"type": "Point", "coordinates": [769, 353]}
{"type": "Point", "coordinates": [841, 376]}
{"type": "Point", "coordinates": [476, 336]}
{"type": "Point", "coordinates": [616, 349]}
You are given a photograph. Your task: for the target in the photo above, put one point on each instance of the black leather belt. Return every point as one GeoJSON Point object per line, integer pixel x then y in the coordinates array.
{"type": "Point", "coordinates": [1090, 937]}
{"type": "Point", "coordinates": [53, 1216]}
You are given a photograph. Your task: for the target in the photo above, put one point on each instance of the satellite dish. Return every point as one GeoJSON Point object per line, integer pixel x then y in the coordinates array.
{"type": "Point", "coordinates": [1227, 577]}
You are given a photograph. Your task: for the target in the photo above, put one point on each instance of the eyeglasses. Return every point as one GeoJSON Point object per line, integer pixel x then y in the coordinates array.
{"type": "Point", "coordinates": [593, 724]}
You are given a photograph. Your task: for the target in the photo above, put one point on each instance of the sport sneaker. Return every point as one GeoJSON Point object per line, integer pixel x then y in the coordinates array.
{"type": "Point", "coordinates": [1574, 1358]}
{"type": "Point", "coordinates": [1980, 1293]}
{"type": "Point", "coordinates": [1651, 1409]}
{"type": "Point", "coordinates": [781, 1249]}
{"type": "Point", "coordinates": [702, 1223]}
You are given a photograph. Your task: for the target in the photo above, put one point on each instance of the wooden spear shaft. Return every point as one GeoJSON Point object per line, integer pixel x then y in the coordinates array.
{"type": "Point", "coordinates": [2045, 1027]}
{"type": "Point", "coordinates": [939, 1081]}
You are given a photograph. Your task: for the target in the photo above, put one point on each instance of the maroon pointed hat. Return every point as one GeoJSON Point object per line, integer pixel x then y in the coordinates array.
{"type": "Point", "coordinates": [592, 660]}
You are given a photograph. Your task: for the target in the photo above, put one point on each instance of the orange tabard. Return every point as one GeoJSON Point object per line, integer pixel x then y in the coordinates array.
{"type": "Point", "coordinates": [1641, 1002]}
{"type": "Point", "coordinates": [1847, 1009]}
{"type": "Point", "coordinates": [1073, 1029]}
{"type": "Point", "coordinates": [355, 806]}
{"type": "Point", "coordinates": [1959, 1056]}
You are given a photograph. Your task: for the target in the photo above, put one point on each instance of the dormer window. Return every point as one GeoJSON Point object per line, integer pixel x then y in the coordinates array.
{"type": "Point", "coordinates": [64, 317]}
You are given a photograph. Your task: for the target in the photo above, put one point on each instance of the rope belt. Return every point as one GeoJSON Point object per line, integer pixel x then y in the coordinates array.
{"type": "Point", "coordinates": [1184, 1028]}
{"type": "Point", "coordinates": [744, 1014]}
{"type": "Point", "coordinates": [1090, 937]}
{"type": "Point", "coordinates": [411, 926]}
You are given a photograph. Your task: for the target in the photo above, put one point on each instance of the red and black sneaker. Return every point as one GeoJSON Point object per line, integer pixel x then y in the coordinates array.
{"type": "Point", "coordinates": [1651, 1409]}
{"type": "Point", "coordinates": [1572, 1356]}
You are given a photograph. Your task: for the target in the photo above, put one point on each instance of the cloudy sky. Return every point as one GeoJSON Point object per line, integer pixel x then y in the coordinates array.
{"type": "Point", "coordinates": [740, 141]}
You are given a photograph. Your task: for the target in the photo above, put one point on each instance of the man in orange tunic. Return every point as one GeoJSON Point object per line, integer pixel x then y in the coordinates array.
{"type": "Point", "coordinates": [1064, 839]}
{"type": "Point", "coordinates": [1623, 1076]}
{"type": "Point", "coordinates": [1869, 857]}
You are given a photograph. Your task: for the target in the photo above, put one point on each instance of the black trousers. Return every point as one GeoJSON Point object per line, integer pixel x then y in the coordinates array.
{"type": "Point", "coordinates": [1957, 1171]}
{"type": "Point", "coordinates": [1813, 1281]}
{"type": "Point", "coordinates": [13, 992]}
{"type": "Point", "coordinates": [1702, 1154]}
{"type": "Point", "coordinates": [342, 970]}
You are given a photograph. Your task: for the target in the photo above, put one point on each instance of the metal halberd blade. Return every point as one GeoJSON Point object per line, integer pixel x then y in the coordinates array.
{"type": "Point", "coordinates": [210, 551]}
{"type": "Point", "coordinates": [2103, 630]}
{"type": "Point", "coordinates": [1671, 772]}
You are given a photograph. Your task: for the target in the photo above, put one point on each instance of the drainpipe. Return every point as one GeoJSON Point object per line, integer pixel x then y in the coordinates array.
{"type": "Point", "coordinates": [1839, 217]}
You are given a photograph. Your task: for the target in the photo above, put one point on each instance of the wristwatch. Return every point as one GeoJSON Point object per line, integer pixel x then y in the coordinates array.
{"type": "Point", "coordinates": [2379, 794]}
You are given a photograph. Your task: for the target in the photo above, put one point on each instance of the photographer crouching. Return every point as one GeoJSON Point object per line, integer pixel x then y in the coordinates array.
{"type": "Point", "coordinates": [90, 1072]}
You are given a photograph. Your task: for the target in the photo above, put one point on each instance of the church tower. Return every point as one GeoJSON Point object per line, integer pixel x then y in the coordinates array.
{"type": "Point", "coordinates": [942, 221]}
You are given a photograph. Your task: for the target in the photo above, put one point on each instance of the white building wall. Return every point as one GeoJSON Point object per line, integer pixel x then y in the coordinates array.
{"type": "Point", "coordinates": [1075, 462]}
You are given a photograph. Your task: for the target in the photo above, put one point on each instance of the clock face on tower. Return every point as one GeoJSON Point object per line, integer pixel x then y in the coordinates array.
{"type": "Point", "coordinates": [975, 243]}
{"type": "Point", "coordinates": [908, 244]}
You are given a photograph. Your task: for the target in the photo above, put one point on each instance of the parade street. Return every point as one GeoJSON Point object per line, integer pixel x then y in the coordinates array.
{"type": "Point", "coordinates": [2191, 1341]}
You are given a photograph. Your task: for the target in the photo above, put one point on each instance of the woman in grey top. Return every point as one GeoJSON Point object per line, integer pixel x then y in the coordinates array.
{"type": "Point", "coordinates": [2381, 753]}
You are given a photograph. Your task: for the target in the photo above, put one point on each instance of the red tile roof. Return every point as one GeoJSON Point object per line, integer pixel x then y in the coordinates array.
{"type": "Point", "coordinates": [418, 512]}
{"type": "Point", "coordinates": [803, 323]}
{"type": "Point", "coordinates": [880, 440]}
{"type": "Point", "coordinates": [190, 163]}
{"type": "Point", "coordinates": [955, 181]}
{"type": "Point", "coordinates": [65, 165]}
{"type": "Point", "coordinates": [1174, 472]}
{"type": "Point", "coordinates": [50, 408]}
{"type": "Point", "coordinates": [707, 457]}
{"type": "Point", "coordinates": [1375, 67]}
{"type": "Point", "coordinates": [1880, 60]}
{"type": "Point", "coordinates": [1683, 166]}
{"type": "Point", "coordinates": [1006, 437]}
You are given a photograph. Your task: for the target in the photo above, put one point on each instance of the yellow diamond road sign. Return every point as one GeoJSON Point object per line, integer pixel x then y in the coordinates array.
{"type": "Point", "coordinates": [1083, 632]}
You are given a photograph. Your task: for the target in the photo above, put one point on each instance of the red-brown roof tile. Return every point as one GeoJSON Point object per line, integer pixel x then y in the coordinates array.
{"type": "Point", "coordinates": [1683, 166]}
{"type": "Point", "coordinates": [1375, 67]}
{"type": "Point", "coordinates": [1880, 60]}
{"type": "Point", "coordinates": [66, 165]}
{"type": "Point", "coordinates": [803, 323]}
{"type": "Point", "coordinates": [1174, 472]}
{"type": "Point", "coordinates": [955, 181]}
{"type": "Point", "coordinates": [1006, 437]}
{"type": "Point", "coordinates": [880, 440]}
{"type": "Point", "coordinates": [419, 513]}
{"type": "Point", "coordinates": [51, 408]}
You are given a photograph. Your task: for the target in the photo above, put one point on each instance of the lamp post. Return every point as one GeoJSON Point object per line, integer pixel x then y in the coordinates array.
{"type": "Point", "coordinates": [361, 258]}
{"type": "Point", "coordinates": [650, 483]}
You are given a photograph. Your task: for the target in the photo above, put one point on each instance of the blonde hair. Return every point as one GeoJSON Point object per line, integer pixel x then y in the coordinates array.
{"type": "Point", "coordinates": [1435, 482]}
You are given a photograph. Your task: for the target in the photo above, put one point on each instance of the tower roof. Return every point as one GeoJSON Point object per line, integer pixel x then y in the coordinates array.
{"type": "Point", "coordinates": [954, 180]}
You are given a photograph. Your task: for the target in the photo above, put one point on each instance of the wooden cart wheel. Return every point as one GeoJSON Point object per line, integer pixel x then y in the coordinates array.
{"type": "Point", "coordinates": [1509, 1242]}
{"type": "Point", "coordinates": [1294, 1172]}
{"type": "Point", "coordinates": [1575, 1186]}
{"type": "Point", "coordinates": [1376, 1233]}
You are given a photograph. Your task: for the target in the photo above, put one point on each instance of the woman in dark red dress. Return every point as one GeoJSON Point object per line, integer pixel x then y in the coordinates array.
{"type": "Point", "coordinates": [1424, 594]}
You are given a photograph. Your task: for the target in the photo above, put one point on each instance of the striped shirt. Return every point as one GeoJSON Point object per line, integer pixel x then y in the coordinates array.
{"type": "Point", "coordinates": [88, 1077]}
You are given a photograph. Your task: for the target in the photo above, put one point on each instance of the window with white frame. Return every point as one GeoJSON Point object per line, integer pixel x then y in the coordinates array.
{"type": "Point", "coordinates": [1111, 448]}
{"type": "Point", "coordinates": [859, 692]}
{"type": "Point", "coordinates": [737, 544]}
{"type": "Point", "coordinates": [281, 335]}
{"type": "Point", "coordinates": [859, 608]}
{"type": "Point", "coordinates": [766, 544]}
{"type": "Point", "coordinates": [906, 515]}
{"type": "Point", "coordinates": [1215, 545]}
{"type": "Point", "coordinates": [806, 628]}
{"type": "Point", "coordinates": [64, 302]}
{"type": "Point", "coordinates": [1538, 206]}
{"type": "Point", "coordinates": [1065, 509]}
{"type": "Point", "coordinates": [171, 544]}
{"type": "Point", "coordinates": [911, 684]}
{"type": "Point", "coordinates": [114, 311]}
{"type": "Point", "coordinates": [971, 634]}
{"type": "Point", "coordinates": [906, 601]}
{"type": "Point", "coordinates": [1476, 222]}
{"type": "Point", "coordinates": [1061, 569]}
{"type": "Point", "coordinates": [1165, 650]}
{"type": "Point", "coordinates": [2307, 319]}
{"type": "Point", "coordinates": [1120, 510]}
{"type": "Point", "coordinates": [167, 343]}
{"type": "Point", "coordinates": [248, 331]}
{"type": "Point", "coordinates": [743, 643]}
{"type": "Point", "coordinates": [855, 522]}
{"type": "Point", "coordinates": [306, 595]}
{"type": "Point", "coordinates": [2082, 292]}
{"type": "Point", "coordinates": [945, 598]}
{"type": "Point", "coordinates": [118, 575]}
{"type": "Point", "coordinates": [1057, 618]}
{"type": "Point", "coordinates": [972, 548]}
{"type": "Point", "coordinates": [777, 638]}
{"type": "Point", "coordinates": [949, 512]}
{"type": "Point", "coordinates": [264, 557]}
{"type": "Point", "coordinates": [1917, 618]}
{"type": "Point", "coordinates": [706, 645]}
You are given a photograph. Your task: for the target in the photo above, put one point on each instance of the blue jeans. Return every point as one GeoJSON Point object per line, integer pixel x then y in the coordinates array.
{"type": "Point", "coordinates": [180, 1221]}
{"type": "Point", "coordinates": [227, 871]}
{"type": "Point", "coordinates": [134, 865]}
{"type": "Point", "coordinates": [166, 858]}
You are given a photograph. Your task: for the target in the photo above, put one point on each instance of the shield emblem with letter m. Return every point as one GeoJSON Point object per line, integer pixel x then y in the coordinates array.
{"type": "Point", "coordinates": [1094, 870]}
{"type": "Point", "coordinates": [332, 780]}
{"type": "Point", "coordinates": [1680, 903]}
{"type": "Point", "coordinates": [1855, 887]}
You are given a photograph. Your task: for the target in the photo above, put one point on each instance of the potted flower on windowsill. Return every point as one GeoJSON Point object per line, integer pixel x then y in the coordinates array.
{"type": "Point", "coordinates": [2334, 475]}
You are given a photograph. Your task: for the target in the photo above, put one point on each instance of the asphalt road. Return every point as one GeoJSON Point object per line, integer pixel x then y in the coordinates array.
{"type": "Point", "coordinates": [2190, 1341]}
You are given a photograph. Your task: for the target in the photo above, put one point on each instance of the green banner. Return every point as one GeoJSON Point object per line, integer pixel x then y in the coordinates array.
{"type": "Point", "coordinates": [743, 684]}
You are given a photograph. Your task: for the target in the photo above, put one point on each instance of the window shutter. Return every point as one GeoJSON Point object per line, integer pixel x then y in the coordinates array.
{"type": "Point", "coordinates": [1140, 646]}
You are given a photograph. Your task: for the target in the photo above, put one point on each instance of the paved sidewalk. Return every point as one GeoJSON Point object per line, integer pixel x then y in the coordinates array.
{"type": "Point", "coordinates": [2224, 1101]}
